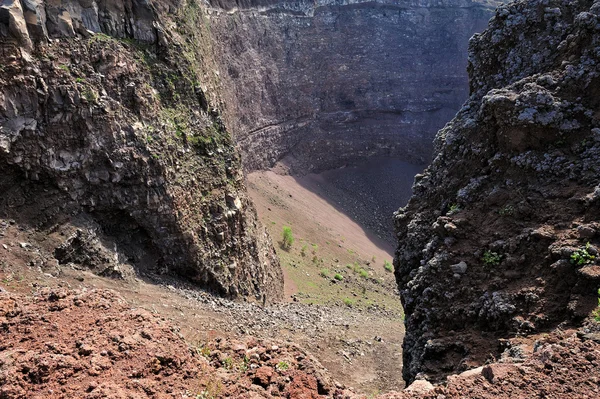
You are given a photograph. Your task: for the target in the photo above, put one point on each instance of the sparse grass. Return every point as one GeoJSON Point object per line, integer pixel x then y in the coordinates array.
{"type": "Point", "coordinates": [324, 273]}
{"type": "Point", "coordinates": [65, 68]}
{"type": "Point", "coordinates": [303, 250]}
{"type": "Point", "coordinates": [363, 273]}
{"type": "Point", "coordinates": [348, 302]}
{"type": "Point", "coordinates": [228, 363]}
{"type": "Point", "coordinates": [89, 95]}
{"type": "Point", "coordinates": [507, 210]}
{"type": "Point", "coordinates": [582, 256]}
{"type": "Point", "coordinates": [338, 277]}
{"type": "Point", "coordinates": [203, 351]}
{"type": "Point", "coordinates": [388, 266]}
{"type": "Point", "coordinates": [491, 258]}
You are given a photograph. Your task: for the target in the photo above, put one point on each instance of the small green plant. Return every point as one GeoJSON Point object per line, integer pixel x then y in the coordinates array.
{"type": "Point", "coordinates": [338, 277]}
{"type": "Point", "coordinates": [244, 364]}
{"type": "Point", "coordinates": [89, 95]}
{"type": "Point", "coordinates": [363, 273]}
{"type": "Point", "coordinates": [64, 68]}
{"type": "Point", "coordinates": [491, 258]}
{"type": "Point", "coordinates": [454, 208]}
{"type": "Point", "coordinates": [315, 259]}
{"type": "Point", "coordinates": [348, 302]}
{"type": "Point", "coordinates": [582, 256]}
{"type": "Point", "coordinates": [282, 366]}
{"type": "Point", "coordinates": [228, 363]}
{"type": "Point", "coordinates": [508, 210]}
{"type": "Point", "coordinates": [203, 351]}
{"type": "Point", "coordinates": [288, 237]}
{"type": "Point", "coordinates": [388, 266]}
{"type": "Point", "coordinates": [303, 250]}
{"type": "Point", "coordinates": [374, 259]}
{"type": "Point", "coordinates": [324, 273]}
{"type": "Point", "coordinates": [80, 80]}
{"type": "Point", "coordinates": [315, 247]}
{"type": "Point", "coordinates": [596, 312]}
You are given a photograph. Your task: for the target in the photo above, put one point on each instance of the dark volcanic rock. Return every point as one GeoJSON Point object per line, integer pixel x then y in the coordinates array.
{"type": "Point", "coordinates": [329, 82]}
{"type": "Point", "coordinates": [515, 175]}
{"type": "Point", "coordinates": [115, 136]}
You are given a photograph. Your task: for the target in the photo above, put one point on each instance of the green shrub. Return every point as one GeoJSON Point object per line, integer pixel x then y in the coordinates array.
{"type": "Point", "coordinates": [388, 266]}
{"type": "Point", "coordinates": [338, 277]}
{"type": "Point", "coordinates": [491, 258]}
{"type": "Point", "coordinates": [282, 366]}
{"type": "Point", "coordinates": [596, 313]}
{"type": "Point", "coordinates": [228, 363]}
{"type": "Point", "coordinates": [288, 237]}
{"type": "Point", "coordinates": [582, 256]}
{"type": "Point", "coordinates": [348, 302]}
{"type": "Point", "coordinates": [508, 210]}
{"type": "Point", "coordinates": [303, 250]}
{"type": "Point", "coordinates": [454, 208]}
{"type": "Point", "coordinates": [324, 273]}
{"type": "Point", "coordinates": [363, 273]}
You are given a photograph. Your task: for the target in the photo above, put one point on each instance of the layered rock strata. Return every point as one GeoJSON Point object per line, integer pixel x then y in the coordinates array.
{"type": "Point", "coordinates": [321, 84]}
{"type": "Point", "coordinates": [107, 126]}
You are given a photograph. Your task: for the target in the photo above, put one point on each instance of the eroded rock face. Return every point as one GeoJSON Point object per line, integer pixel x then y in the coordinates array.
{"type": "Point", "coordinates": [329, 82]}
{"type": "Point", "coordinates": [116, 137]}
{"type": "Point", "coordinates": [511, 196]}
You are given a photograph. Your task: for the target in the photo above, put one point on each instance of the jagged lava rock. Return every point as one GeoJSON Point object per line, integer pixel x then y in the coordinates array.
{"type": "Point", "coordinates": [520, 162]}
{"type": "Point", "coordinates": [107, 125]}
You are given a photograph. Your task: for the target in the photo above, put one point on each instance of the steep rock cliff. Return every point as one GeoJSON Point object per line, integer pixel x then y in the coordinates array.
{"type": "Point", "coordinates": [107, 138]}
{"type": "Point", "coordinates": [501, 236]}
{"type": "Point", "coordinates": [328, 82]}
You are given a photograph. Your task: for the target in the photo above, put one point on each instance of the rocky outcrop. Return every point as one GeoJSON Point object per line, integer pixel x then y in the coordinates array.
{"type": "Point", "coordinates": [105, 127]}
{"type": "Point", "coordinates": [320, 84]}
{"type": "Point", "coordinates": [501, 236]}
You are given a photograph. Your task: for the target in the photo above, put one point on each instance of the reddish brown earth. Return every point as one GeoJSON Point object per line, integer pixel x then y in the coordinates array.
{"type": "Point", "coordinates": [62, 343]}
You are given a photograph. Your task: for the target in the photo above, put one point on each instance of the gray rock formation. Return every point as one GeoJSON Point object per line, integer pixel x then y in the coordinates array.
{"type": "Point", "coordinates": [104, 127]}
{"type": "Point", "coordinates": [513, 192]}
{"type": "Point", "coordinates": [329, 82]}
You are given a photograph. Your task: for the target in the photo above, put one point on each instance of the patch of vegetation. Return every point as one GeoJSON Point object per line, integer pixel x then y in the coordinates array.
{"type": "Point", "coordinates": [388, 266]}
{"type": "Point", "coordinates": [508, 210]}
{"type": "Point", "coordinates": [324, 273]}
{"type": "Point", "coordinates": [596, 312]}
{"type": "Point", "coordinates": [303, 250]}
{"type": "Point", "coordinates": [338, 277]}
{"type": "Point", "coordinates": [287, 238]}
{"type": "Point", "coordinates": [228, 363]}
{"type": "Point", "coordinates": [315, 247]}
{"type": "Point", "coordinates": [363, 273]}
{"type": "Point", "coordinates": [582, 256]}
{"type": "Point", "coordinates": [454, 208]}
{"type": "Point", "coordinates": [80, 80]}
{"type": "Point", "coordinates": [282, 366]}
{"type": "Point", "coordinates": [65, 68]}
{"type": "Point", "coordinates": [491, 258]}
{"type": "Point", "coordinates": [348, 302]}
{"type": "Point", "coordinates": [89, 95]}
{"type": "Point", "coordinates": [203, 351]}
